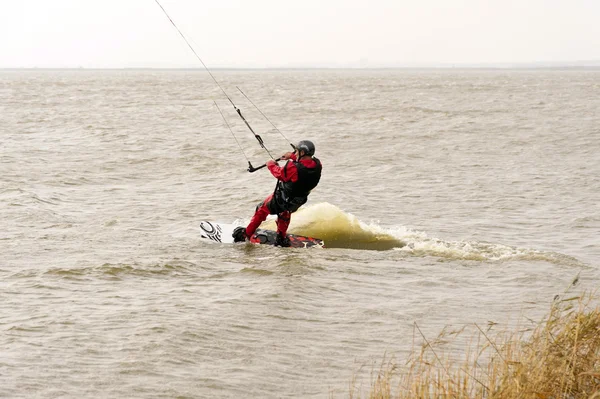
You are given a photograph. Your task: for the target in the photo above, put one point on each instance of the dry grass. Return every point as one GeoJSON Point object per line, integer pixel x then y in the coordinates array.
{"type": "Point", "coordinates": [558, 359]}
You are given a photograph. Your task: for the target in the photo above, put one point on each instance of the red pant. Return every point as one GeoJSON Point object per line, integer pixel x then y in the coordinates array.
{"type": "Point", "coordinates": [262, 211]}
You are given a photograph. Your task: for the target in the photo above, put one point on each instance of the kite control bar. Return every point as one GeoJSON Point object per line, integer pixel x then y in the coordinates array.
{"type": "Point", "coordinates": [252, 169]}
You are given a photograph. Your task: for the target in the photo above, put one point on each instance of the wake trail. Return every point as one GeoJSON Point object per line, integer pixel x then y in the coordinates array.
{"type": "Point", "coordinates": [340, 229]}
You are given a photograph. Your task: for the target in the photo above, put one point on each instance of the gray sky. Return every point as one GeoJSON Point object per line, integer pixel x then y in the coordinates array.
{"type": "Point", "coordinates": [270, 33]}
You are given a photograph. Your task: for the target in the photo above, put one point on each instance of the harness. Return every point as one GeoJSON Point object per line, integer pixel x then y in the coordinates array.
{"type": "Point", "coordinates": [289, 196]}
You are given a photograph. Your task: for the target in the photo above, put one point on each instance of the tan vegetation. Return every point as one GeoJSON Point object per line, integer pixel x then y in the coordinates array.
{"type": "Point", "coordinates": [557, 359]}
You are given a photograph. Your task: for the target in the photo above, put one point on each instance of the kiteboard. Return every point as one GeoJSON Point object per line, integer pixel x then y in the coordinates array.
{"type": "Point", "coordinates": [222, 233]}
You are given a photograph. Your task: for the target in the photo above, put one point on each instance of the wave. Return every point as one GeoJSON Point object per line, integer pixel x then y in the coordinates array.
{"type": "Point", "coordinates": [119, 270]}
{"type": "Point", "coordinates": [340, 229]}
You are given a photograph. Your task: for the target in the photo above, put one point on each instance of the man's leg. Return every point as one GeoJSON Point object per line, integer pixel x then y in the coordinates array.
{"type": "Point", "coordinates": [262, 211]}
{"type": "Point", "coordinates": [283, 221]}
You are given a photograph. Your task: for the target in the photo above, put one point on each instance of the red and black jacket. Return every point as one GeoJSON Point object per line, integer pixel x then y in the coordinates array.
{"type": "Point", "coordinates": [296, 179]}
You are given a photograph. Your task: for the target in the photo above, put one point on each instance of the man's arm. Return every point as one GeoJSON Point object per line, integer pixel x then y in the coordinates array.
{"type": "Point", "coordinates": [286, 173]}
{"type": "Point", "coordinates": [289, 155]}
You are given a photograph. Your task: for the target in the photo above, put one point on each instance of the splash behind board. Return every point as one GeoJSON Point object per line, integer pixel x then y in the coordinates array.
{"type": "Point", "coordinates": [222, 232]}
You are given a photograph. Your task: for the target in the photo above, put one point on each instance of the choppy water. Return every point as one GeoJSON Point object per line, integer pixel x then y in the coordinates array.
{"type": "Point", "coordinates": [479, 188]}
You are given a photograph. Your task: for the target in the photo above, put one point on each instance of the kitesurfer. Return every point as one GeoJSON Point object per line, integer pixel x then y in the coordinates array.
{"type": "Point", "coordinates": [295, 180]}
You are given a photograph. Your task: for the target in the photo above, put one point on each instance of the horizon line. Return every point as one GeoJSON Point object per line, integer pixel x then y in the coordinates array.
{"type": "Point", "coordinates": [579, 63]}
{"type": "Point", "coordinates": [432, 67]}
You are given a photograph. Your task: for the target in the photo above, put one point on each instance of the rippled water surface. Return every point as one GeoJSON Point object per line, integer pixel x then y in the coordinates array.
{"type": "Point", "coordinates": [448, 198]}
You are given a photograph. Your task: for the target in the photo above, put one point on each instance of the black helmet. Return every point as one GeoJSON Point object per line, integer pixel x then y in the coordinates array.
{"type": "Point", "coordinates": [307, 146]}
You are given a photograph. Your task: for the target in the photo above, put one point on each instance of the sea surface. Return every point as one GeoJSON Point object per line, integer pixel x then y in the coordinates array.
{"type": "Point", "coordinates": [449, 198]}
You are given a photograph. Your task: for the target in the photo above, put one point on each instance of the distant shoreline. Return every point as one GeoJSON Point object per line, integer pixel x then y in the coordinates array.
{"type": "Point", "coordinates": [406, 68]}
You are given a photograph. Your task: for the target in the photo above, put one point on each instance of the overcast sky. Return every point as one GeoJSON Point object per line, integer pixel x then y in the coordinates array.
{"type": "Point", "coordinates": [282, 33]}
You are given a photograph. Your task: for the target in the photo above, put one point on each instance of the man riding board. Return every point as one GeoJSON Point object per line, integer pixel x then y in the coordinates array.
{"type": "Point", "coordinates": [295, 180]}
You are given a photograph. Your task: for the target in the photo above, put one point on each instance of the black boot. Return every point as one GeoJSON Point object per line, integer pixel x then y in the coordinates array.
{"type": "Point", "coordinates": [239, 234]}
{"type": "Point", "coordinates": [282, 241]}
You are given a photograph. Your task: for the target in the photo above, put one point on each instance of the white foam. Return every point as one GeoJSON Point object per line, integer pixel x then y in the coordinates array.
{"type": "Point", "coordinates": [343, 229]}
